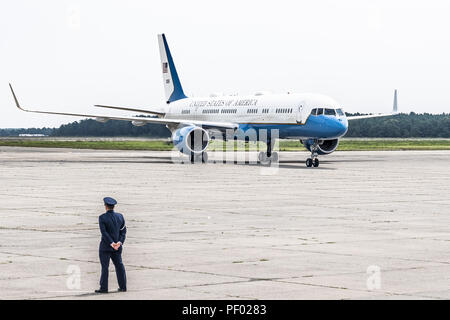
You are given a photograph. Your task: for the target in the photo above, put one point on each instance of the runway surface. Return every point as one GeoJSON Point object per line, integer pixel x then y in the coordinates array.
{"type": "Point", "coordinates": [364, 225]}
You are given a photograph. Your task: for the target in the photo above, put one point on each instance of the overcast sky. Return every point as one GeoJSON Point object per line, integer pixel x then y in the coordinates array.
{"type": "Point", "coordinates": [68, 55]}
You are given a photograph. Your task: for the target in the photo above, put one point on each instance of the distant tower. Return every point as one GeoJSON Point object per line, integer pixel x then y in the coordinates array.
{"type": "Point", "coordinates": [395, 102]}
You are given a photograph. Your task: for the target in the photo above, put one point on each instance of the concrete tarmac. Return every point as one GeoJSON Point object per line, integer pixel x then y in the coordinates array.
{"type": "Point", "coordinates": [364, 225]}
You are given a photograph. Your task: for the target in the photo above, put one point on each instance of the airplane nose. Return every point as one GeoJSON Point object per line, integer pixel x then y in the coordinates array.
{"type": "Point", "coordinates": [339, 127]}
{"type": "Point", "coordinates": [343, 126]}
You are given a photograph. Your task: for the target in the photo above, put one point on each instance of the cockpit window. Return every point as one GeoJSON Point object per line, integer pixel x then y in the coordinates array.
{"type": "Point", "coordinates": [327, 111]}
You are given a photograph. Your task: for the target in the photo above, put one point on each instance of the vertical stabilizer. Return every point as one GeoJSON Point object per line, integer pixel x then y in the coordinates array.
{"type": "Point", "coordinates": [395, 108]}
{"type": "Point", "coordinates": [172, 85]}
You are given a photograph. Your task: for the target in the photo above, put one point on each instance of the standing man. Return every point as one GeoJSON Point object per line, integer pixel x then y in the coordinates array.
{"type": "Point", "coordinates": [113, 229]}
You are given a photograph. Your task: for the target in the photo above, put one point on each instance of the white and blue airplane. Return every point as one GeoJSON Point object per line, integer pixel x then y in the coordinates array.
{"type": "Point", "coordinates": [316, 120]}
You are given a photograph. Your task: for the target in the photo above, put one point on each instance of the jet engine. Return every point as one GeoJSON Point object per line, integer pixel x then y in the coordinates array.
{"type": "Point", "coordinates": [325, 146]}
{"type": "Point", "coordinates": [191, 139]}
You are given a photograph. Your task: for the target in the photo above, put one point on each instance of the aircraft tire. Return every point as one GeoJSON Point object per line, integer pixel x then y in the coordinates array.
{"type": "Point", "coordinates": [316, 163]}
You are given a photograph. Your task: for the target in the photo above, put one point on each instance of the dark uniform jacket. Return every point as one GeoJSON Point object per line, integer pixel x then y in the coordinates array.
{"type": "Point", "coordinates": [113, 229]}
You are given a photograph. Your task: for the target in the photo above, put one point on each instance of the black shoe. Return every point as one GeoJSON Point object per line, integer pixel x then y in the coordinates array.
{"type": "Point", "coordinates": [122, 290]}
{"type": "Point", "coordinates": [101, 291]}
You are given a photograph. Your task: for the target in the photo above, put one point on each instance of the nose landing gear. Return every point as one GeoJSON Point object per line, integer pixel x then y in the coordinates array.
{"type": "Point", "coordinates": [312, 163]}
{"type": "Point", "coordinates": [314, 160]}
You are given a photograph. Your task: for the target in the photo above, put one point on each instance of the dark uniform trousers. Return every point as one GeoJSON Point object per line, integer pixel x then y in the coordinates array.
{"type": "Point", "coordinates": [116, 257]}
{"type": "Point", "coordinates": [113, 229]}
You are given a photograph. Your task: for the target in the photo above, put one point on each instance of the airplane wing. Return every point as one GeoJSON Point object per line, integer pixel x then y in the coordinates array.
{"type": "Point", "coordinates": [137, 120]}
{"type": "Point", "coordinates": [394, 112]}
{"type": "Point", "coordinates": [370, 116]}
{"type": "Point", "coordinates": [131, 109]}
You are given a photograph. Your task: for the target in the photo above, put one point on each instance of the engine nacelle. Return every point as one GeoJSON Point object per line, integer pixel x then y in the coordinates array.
{"type": "Point", "coordinates": [325, 146]}
{"type": "Point", "coordinates": [191, 139]}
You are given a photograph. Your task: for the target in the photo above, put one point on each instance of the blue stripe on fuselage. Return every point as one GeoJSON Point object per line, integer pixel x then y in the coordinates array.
{"type": "Point", "coordinates": [316, 127]}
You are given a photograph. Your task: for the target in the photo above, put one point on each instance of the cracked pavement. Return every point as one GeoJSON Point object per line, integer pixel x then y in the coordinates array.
{"type": "Point", "coordinates": [228, 231]}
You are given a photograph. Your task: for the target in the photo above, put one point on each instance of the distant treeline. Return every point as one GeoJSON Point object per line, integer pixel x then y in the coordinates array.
{"type": "Point", "coordinates": [402, 126]}
{"type": "Point", "coordinates": [17, 132]}
{"type": "Point", "coordinates": [92, 128]}
{"type": "Point", "coordinates": [112, 128]}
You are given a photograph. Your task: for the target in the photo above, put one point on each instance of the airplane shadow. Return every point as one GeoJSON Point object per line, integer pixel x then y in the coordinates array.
{"type": "Point", "coordinates": [168, 160]}
{"type": "Point", "coordinates": [283, 164]}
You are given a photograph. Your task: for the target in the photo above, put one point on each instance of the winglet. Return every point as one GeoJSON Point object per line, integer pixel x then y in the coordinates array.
{"type": "Point", "coordinates": [15, 98]}
{"type": "Point", "coordinates": [395, 107]}
{"type": "Point", "coordinates": [367, 116]}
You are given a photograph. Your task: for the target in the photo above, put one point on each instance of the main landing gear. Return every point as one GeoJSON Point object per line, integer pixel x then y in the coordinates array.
{"type": "Point", "coordinates": [201, 157]}
{"type": "Point", "coordinates": [313, 161]}
{"type": "Point", "coordinates": [266, 158]}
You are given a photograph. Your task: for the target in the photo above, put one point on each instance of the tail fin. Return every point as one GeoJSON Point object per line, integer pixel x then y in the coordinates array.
{"type": "Point", "coordinates": [172, 84]}
{"type": "Point", "coordinates": [395, 107]}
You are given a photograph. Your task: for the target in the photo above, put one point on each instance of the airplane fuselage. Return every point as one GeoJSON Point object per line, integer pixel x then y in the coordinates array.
{"type": "Point", "coordinates": [290, 114]}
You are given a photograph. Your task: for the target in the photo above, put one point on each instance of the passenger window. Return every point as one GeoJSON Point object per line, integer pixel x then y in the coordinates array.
{"type": "Point", "coordinates": [330, 112]}
{"type": "Point", "coordinates": [319, 111]}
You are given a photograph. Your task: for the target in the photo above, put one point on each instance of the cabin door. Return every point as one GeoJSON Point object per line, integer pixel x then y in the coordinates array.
{"type": "Point", "coordinates": [300, 114]}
